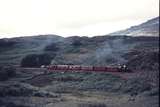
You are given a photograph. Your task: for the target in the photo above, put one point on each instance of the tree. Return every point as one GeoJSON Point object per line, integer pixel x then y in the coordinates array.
{"type": "Point", "coordinates": [36, 60]}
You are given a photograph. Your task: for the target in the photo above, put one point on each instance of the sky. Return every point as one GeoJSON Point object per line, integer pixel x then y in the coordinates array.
{"type": "Point", "coordinates": [72, 17]}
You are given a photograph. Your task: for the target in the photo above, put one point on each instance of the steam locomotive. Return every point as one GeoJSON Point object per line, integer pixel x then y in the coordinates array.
{"type": "Point", "coordinates": [120, 68]}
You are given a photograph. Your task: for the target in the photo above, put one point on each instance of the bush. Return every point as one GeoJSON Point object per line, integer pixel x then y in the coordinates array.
{"type": "Point", "coordinates": [92, 105]}
{"type": "Point", "coordinates": [6, 43]}
{"type": "Point", "coordinates": [9, 104]}
{"type": "Point", "coordinates": [76, 43]}
{"type": "Point", "coordinates": [36, 60]}
{"type": "Point", "coordinates": [25, 90]}
{"type": "Point", "coordinates": [51, 47]}
{"type": "Point", "coordinates": [7, 72]}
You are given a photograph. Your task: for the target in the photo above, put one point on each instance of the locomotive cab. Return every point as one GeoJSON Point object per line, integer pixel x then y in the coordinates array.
{"type": "Point", "coordinates": [123, 68]}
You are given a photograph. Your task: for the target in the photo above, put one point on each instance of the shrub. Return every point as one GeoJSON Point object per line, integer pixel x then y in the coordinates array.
{"type": "Point", "coordinates": [93, 105]}
{"type": "Point", "coordinates": [76, 43]}
{"type": "Point", "coordinates": [7, 72]}
{"type": "Point", "coordinates": [36, 60]}
{"type": "Point", "coordinates": [6, 43]}
{"type": "Point", "coordinates": [51, 47]}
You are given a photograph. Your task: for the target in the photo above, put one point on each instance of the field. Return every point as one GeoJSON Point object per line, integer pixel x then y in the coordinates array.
{"type": "Point", "coordinates": [30, 87]}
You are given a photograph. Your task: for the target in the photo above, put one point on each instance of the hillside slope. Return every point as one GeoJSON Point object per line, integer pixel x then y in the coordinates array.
{"type": "Point", "coordinates": [101, 50]}
{"type": "Point", "coordinates": [14, 49]}
{"type": "Point", "coordinates": [149, 28]}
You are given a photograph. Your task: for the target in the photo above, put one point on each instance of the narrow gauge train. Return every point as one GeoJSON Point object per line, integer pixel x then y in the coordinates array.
{"type": "Point", "coordinates": [87, 68]}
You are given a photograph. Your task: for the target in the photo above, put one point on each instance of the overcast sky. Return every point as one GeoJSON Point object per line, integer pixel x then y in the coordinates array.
{"type": "Point", "coordinates": [72, 17]}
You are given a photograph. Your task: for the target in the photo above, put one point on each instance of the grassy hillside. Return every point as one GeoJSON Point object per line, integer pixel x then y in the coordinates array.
{"type": "Point", "coordinates": [101, 50]}
{"type": "Point", "coordinates": [148, 28]}
{"type": "Point", "coordinates": [13, 50]}
{"type": "Point", "coordinates": [30, 87]}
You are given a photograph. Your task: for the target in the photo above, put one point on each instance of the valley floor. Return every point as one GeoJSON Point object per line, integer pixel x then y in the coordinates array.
{"type": "Point", "coordinates": [85, 99]}
{"type": "Point", "coordinates": [67, 90]}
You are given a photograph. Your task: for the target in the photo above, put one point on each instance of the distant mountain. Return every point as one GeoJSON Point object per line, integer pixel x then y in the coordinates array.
{"type": "Point", "coordinates": [149, 28]}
